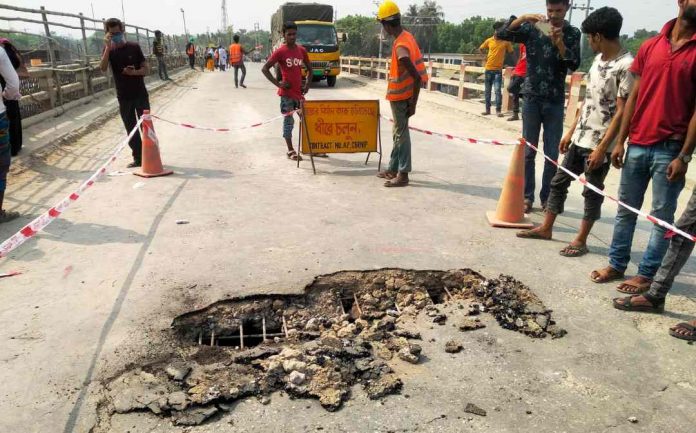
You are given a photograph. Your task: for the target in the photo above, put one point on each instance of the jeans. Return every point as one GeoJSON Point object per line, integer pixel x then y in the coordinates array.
{"type": "Point", "coordinates": [515, 88]}
{"type": "Point", "coordinates": [576, 161]}
{"type": "Point", "coordinates": [643, 164]}
{"type": "Point", "coordinates": [128, 108]}
{"type": "Point", "coordinates": [678, 254]}
{"type": "Point", "coordinates": [288, 105]}
{"type": "Point", "coordinates": [535, 114]}
{"type": "Point", "coordinates": [400, 161]}
{"type": "Point", "coordinates": [5, 157]}
{"type": "Point", "coordinates": [162, 68]}
{"type": "Point", "coordinates": [494, 78]}
{"type": "Point", "coordinates": [236, 71]}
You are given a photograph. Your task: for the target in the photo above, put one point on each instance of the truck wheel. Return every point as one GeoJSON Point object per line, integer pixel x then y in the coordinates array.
{"type": "Point", "coordinates": [331, 80]}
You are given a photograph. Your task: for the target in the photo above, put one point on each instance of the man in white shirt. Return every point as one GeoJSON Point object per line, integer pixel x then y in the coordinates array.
{"type": "Point", "coordinates": [592, 137]}
{"type": "Point", "coordinates": [11, 92]}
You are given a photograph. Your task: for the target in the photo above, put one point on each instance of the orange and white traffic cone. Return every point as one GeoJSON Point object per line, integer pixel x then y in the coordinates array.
{"type": "Point", "coordinates": [510, 211]}
{"type": "Point", "coordinates": [151, 161]}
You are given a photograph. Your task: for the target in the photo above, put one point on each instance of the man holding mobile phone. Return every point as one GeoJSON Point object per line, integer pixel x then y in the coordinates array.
{"type": "Point", "coordinates": [589, 142]}
{"type": "Point", "coordinates": [553, 49]}
{"type": "Point", "coordinates": [129, 67]}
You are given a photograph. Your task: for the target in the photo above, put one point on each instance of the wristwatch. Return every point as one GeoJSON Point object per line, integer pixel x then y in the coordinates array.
{"type": "Point", "coordinates": [685, 158]}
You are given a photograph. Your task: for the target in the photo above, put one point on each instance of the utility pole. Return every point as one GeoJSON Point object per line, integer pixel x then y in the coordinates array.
{"type": "Point", "coordinates": [381, 31]}
{"type": "Point", "coordinates": [183, 15]}
{"type": "Point", "coordinates": [587, 8]}
{"type": "Point", "coordinates": [223, 12]}
{"type": "Point", "coordinates": [570, 17]}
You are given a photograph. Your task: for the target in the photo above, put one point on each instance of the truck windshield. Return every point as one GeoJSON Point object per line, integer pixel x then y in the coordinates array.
{"type": "Point", "coordinates": [316, 35]}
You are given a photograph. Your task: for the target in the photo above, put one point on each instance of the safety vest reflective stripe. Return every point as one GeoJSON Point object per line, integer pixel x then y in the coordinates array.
{"type": "Point", "coordinates": [401, 83]}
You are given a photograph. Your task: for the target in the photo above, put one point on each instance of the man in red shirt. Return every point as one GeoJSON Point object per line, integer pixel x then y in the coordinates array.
{"type": "Point", "coordinates": [660, 122]}
{"type": "Point", "coordinates": [516, 82]}
{"type": "Point", "coordinates": [290, 57]}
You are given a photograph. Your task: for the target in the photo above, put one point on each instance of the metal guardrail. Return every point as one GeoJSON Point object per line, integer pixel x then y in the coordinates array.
{"type": "Point", "coordinates": [50, 88]}
{"type": "Point", "coordinates": [462, 81]}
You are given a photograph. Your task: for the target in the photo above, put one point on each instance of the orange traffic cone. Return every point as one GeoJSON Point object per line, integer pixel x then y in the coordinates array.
{"type": "Point", "coordinates": [510, 211]}
{"type": "Point", "coordinates": [151, 161]}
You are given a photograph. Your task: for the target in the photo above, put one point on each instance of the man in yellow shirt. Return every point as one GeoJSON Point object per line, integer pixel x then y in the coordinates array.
{"type": "Point", "coordinates": [494, 68]}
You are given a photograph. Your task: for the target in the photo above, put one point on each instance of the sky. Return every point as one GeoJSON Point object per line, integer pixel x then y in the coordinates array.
{"type": "Point", "coordinates": [242, 14]}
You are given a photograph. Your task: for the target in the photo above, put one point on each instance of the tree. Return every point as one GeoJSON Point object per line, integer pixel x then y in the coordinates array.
{"type": "Point", "coordinates": [362, 35]}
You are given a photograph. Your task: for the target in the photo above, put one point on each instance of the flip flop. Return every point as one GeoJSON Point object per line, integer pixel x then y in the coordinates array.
{"type": "Point", "coordinates": [573, 251]}
{"type": "Point", "coordinates": [657, 306]}
{"type": "Point", "coordinates": [292, 155]}
{"type": "Point", "coordinates": [616, 275]}
{"type": "Point", "coordinates": [636, 289]}
{"type": "Point", "coordinates": [531, 234]}
{"type": "Point", "coordinates": [386, 175]}
{"type": "Point", "coordinates": [396, 183]}
{"type": "Point", "coordinates": [686, 326]}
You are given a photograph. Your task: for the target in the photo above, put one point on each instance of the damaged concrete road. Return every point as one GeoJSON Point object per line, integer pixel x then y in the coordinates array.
{"type": "Point", "coordinates": [342, 332]}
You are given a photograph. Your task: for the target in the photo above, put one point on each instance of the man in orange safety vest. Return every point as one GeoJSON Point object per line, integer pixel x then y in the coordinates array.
{"type": "Point", "coordinates": [237, 53]}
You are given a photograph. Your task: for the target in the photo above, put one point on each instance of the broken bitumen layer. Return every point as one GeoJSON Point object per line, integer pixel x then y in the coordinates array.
{"type": "Point", "coordinates": [341, 332]}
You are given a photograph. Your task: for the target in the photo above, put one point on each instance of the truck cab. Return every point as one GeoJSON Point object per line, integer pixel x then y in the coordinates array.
{"type": "Point", "coordinates": [320, 40]}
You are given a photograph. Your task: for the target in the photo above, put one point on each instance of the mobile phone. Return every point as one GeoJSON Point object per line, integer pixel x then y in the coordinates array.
{"type": "Point", "coordinates": [544, 27]}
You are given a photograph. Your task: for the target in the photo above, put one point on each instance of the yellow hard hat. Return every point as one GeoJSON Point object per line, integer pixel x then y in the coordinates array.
{"type": "Point", "coordinates": [388, 11]}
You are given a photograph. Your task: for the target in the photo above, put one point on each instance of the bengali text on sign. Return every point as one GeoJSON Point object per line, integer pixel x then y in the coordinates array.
{"type": "Point", "coordinates": [340, 126]}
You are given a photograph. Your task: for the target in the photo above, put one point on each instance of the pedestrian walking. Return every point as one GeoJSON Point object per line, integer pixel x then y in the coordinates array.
{"type": "Point", "coordinates": [290, 58]}
{"type": "Point", "coordinates": [237, 53]}
{"type": "Point", "coordinates": [589, 142]}
{"type": "Point", "coordinates": [495, 49]}
{"type": "Point", "coordinates": [516, 82]}
{"type": "Point", "coordinates": [210, 59]}
{"type": "Point", "coordinates": [191, 53]}
{"type": "Point", "coordinates": [160, 49]}
{"type": "Point", "coordinates": [678, 254]}
{"type": "Point", "coordinates": [406, 76]}
{"type": "Point", "coordinates": [10, 92]}
{"type": "Point", "coordinates": [14, 114]}
{"type": "Point", "coordinates": [660, 123]}
{"type": "Point", "coordinates": [129, 68]}
{"type": "Point", "coordinates": [222, 59]}
{"type": "Point", "coordinates": [553, 49]}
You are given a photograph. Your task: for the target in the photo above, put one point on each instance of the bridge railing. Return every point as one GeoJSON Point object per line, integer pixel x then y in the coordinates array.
{"type": "Point", "coordinates": [48, 89]}
{"type": "Point", "coordinates": [461, 81]}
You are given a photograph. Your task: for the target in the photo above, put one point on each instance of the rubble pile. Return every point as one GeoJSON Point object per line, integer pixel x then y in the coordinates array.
{"type": "Point", "coordinates": [342, 332]}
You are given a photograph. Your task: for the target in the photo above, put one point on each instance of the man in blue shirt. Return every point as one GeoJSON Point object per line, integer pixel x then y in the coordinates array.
{"type": "Point", "coordinates": [553, 48]}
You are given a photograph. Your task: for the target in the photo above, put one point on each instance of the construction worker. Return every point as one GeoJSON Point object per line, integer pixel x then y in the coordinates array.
{"type": "Point", "coordinates": [191, 53]}
{"type": "Point", "coordinates": [237, 53]}
{"type": "Point", "coordinates": [406, 76]}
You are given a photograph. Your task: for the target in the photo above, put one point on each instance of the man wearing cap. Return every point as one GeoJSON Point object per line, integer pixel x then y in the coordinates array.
{"type": "Point", "coordinates": [407, 73]}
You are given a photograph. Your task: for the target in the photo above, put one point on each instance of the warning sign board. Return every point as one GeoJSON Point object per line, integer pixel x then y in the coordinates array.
{"type": "Point", "coordinates": [340, 127]}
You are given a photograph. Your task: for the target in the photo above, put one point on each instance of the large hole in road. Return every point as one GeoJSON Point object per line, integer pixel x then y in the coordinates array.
{"type": "Point", "coordinates": [344, 330]}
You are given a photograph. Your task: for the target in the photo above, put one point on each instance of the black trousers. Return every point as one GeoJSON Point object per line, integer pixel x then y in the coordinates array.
{"type": "Point", "coordinates": [192, 61]}
{"type": "Point", "coordinates": [236, 71]}
{"type": "Point", "coordinates": [128, 108]}
{"type": "Point", "coordinates": [15, 118]}
{"type": "Point", "coordinates": [515, 88]}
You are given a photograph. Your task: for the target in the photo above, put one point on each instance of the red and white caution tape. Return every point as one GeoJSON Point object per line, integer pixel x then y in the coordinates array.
{"type": "Point", "coordinates": [205, 128]}
{"type": "Point", "coordinates": [456, 137]}
{"type": "Point", "coordinates": [672, 229]}
{"type": "Point", "coordinates": [40, 223]}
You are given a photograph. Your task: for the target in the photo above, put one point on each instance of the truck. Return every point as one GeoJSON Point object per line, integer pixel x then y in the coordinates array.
{"type": "Point", "coordinates": [316, 32]}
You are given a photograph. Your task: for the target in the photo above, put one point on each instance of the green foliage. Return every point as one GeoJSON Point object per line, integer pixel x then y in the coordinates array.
{"type": "Point", "coordinates": [362, 33]}
{"type": "Point", "coordinates": [631, 43]}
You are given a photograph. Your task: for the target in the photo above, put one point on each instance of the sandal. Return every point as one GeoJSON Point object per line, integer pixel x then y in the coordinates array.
{"type": "Point", "coordinates": [691, 329]}
{"type": "Point", "coordinates": [396, 183]}
{"type": "Point", "coordinates": [292, 155]}
{"type": "Point", "coordinates": [626, 304]}
{"type": "Point", "coordinates": [386, 175]}
{"type": "Point", "coordinates": [6, 216]}
{"type": "Point", "coordinates": [573, 251]}
{"type": "Point", "coordinates": [612, 275]}
{"type": "Point", "coordinates": [531, 234]}
{"type": "Point", "coordinates": [632, 288]}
